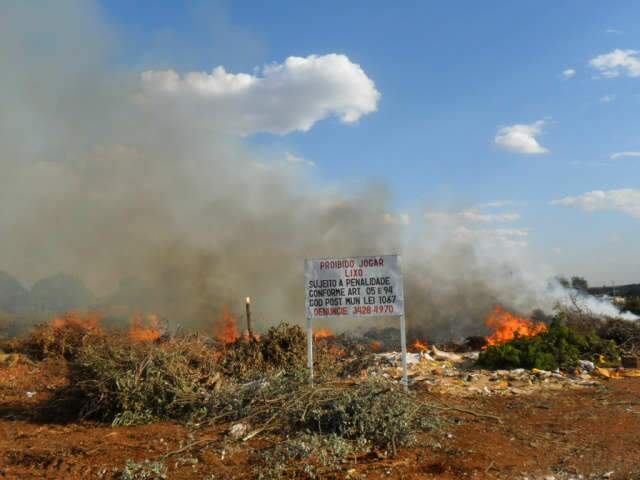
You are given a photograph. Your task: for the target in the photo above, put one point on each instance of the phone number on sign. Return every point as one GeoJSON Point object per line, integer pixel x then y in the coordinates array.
{"type": "Point", "coordinates": [369, 309]}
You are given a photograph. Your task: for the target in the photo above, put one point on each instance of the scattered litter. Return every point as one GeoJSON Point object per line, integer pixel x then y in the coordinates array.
{"type": "Point", "coordinates": [456, 374]}
{"type": "Point", "coordinates": [586, 365]}
{"type": "Point", "coordinates": [238, 430]}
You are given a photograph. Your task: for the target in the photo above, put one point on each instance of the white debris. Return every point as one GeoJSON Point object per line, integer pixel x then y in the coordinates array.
{"type": "Point", "coordinates": [445, 356]}
{"type": "Point", "coordinates": [238, 430]}
{"type": "Point", "coordinates": [586, 365]}
{"type": "Point", "coordinates": [31, 394]}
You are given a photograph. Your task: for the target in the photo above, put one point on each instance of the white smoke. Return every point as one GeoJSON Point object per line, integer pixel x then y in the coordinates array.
{"type": "Point", "coordinates": [105, 176]}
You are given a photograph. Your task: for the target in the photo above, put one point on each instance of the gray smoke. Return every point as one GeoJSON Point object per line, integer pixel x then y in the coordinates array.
{"type": "Point", "coordinates": [93, 184]}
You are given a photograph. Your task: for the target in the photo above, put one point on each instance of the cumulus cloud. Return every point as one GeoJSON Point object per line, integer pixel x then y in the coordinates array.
{"type": "Point", "coordinates": [617, 62]}
{"type": "Point", "coordinates": [568, 73]}
{"type": "Point", "coordinates": [619, 155]}
{"type": "Point", "coordinates": [521, 138]}
{"type": "Point", "coordinates": [280, 98]}
{"type": "Point", "coordinates": [626, 200]}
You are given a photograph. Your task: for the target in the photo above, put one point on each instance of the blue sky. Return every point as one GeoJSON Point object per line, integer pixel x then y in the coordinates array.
{"type": "Point", "coordinates": [451, 74]}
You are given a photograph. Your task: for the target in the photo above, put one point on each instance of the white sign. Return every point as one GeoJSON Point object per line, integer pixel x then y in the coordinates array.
{"type": "Point", "coordinates": [354, 287]}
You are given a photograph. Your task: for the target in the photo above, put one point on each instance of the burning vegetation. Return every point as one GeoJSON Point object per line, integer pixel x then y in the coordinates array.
{"type": "Point", "coordinates": [257, 387]}
{"type": "Point", "coordinates": [63, 336]}
{"type": "Point", "coordinates": [145, 331]}
{"type": "Point", "coordinates": [550, 348]}
{"type": "Point", "coordinates": [506, 326]}
{"type": "Point", "coordinates": [225, 327]}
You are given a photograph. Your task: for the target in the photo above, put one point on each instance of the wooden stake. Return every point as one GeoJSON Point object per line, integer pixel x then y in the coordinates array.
{"type": "Point", "coordinates": [248, 311]}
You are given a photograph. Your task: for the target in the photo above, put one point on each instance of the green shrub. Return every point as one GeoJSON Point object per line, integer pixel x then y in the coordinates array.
{"type": "Point", "coordinates": [130, 383]}
{"type": "Point", "coordinates": [282, 347]}
{"type": "Point", "coordinates": [559, 347]}
{"type": "Point", "coordinates": [146, 470]}
{"type": "Point", "coordinates": [305, 456]}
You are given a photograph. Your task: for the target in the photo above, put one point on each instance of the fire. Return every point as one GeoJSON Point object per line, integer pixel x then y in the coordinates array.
{"type": "Point", "coordinates": [507, 324]}
{"type": "Point", "coordinates": [142, 331]}
{"type": "Point", "coordinates": [336, 350]}
{"type": "Point", "coordinates": [323, 333]}
{"type": "Point", "coordinates": [376, 345]}
{"type": "Point", "coordinates": [419, 346]}
{"type": "Point", "coordinates": [89, 322]}
{"type": "Point", "coordinates": [225, 327]}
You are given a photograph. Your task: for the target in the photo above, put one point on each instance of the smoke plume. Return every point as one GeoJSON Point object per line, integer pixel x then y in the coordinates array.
{"type": "Point", "coordinates": [98, 180]}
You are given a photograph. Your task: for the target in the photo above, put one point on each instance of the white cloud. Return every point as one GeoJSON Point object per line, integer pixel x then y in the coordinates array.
{"type": "Point", "coordinates": [617, 62]}
{"type": "Point", "coordinates": [626, 200]}
{"type": "Point", "coordinates": [495, 204]}
{"type": "Point", "coordinates": [296, 160]}
{"type": "Point", "coordinates": [508, 237]}
{"type": "Point", "coordinates": [613, 31]}
{"type": "Point", "coordinates": [471, 216]}
{"type": "Point", "coordinates": [280, 98]}
{"type": "Point", "coordinates": [493, 239]}
{"type": "Point", "coordinates": [396, 218]}
{"type": "Point", "coordinates": [507, 232]}
{"type": "Point", "coordinates": [607, 98]}
{"type": "Point", "coordinates": [568, 73]}
{"type": "Point", "coordinates": [619, 155]}
{"type": "Point", "coordinates": [521, 138]}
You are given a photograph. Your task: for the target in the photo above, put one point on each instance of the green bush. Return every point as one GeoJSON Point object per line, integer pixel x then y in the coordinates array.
{"type": "Point", "coordinates": [130, 383]}
{"type": "Point", "coordinates": [559, 347]}
{"type": "Point", "coordinates": [282, 347]}
{"type": "Point", "coordinates": [375, 412]}
{"type": "Point", "coordinates": [305, 456]}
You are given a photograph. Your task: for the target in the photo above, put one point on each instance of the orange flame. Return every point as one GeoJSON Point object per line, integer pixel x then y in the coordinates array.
{"type": "Point", "coordinates": [141, 332]}
{"type": "Point", "coordinates": [506, 325]}
{"type": "Point", "coordinates": [225, 328]}
{"type": "Point", "coordinates": [419, 346]}
{"type": "Point", "coordinates": [336, 350]}
{"type": "Point", "coordinates": [376, 345]}
{"type": "Point", "coordinates": [323, 333]}
{"type": "Point", "coordinates": [89, 322]}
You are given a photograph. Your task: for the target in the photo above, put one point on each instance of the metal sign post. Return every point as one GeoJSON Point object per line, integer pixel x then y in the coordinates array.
{"type": "Point", "coordinates": [310, 349]}
{"type": "Point", "coordinates": [403, 346]}
{"type": "Point", "coordinates": [355, 287]}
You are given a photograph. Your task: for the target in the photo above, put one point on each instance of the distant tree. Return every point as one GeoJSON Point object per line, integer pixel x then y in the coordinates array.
{"type": "Point", "coordinates": [12, 293]}
{"type": "Point", "coordinates": [563, 281]}
{"type": "Point", "coordinates": [59, 293]}
{"type": "Point", "coordinates": [632, 304]}
{"type": "Point", "coordinates": [579, 283]}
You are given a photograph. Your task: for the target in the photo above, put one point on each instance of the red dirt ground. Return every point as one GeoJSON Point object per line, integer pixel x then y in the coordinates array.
{"type": "Point", "coordinates": [589, 432]}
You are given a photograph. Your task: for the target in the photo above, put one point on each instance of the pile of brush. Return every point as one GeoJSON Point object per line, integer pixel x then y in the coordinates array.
{"type": "Point", "coordinates": [625, 333]}
{"type": "Point", "coordinates": [64, 336]}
